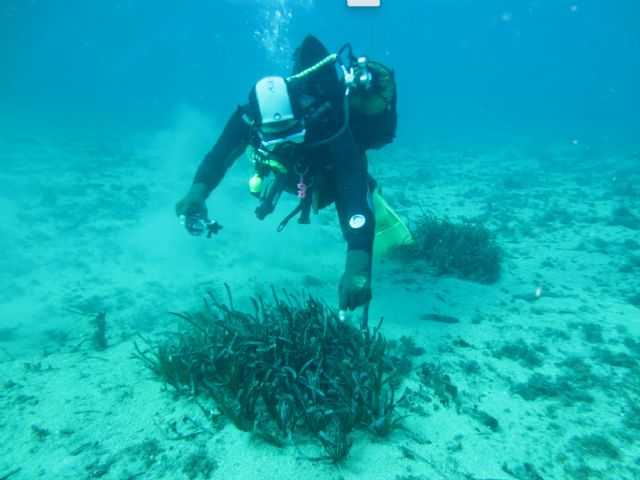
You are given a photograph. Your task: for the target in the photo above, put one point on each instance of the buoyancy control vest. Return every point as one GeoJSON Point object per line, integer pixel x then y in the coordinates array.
{"type": "Point", "coordinates": [364, 100]}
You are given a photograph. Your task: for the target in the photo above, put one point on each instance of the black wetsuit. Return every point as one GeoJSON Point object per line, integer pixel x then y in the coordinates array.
{"type": "Point", "coordinates": [339, 166]}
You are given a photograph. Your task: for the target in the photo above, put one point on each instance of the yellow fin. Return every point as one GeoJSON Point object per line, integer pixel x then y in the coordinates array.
{"type": "Point", "coordinates": [390, 230]}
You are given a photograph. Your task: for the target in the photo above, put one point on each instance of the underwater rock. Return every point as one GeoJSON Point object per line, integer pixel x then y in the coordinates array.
{"type": "Point", "coordinates": [526, 471]}
{"type": "Point", "coordinates": [436, 317]}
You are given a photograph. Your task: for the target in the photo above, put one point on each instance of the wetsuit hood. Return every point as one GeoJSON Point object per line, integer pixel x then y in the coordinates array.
{"type": "Point", "coordinates": [323, 83]}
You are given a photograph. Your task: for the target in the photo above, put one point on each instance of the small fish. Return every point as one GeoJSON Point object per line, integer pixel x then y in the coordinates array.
{"type": "Point", "coordinates": [436, 317]}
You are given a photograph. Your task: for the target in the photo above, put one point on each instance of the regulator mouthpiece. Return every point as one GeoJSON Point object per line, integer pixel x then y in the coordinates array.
{"type": "Point", "coordinates": [364, 77]}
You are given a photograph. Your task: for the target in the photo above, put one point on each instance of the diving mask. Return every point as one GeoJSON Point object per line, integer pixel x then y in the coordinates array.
{"type": "Point", "coordinates": [273, 135]}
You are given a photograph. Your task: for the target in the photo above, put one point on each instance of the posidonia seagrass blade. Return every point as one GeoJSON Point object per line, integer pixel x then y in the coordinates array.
{"type": "Point", "coordinates": [289, 368]}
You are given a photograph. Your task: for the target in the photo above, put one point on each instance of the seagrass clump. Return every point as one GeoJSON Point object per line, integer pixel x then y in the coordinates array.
{"type": "Point", "coordinates": [288, 370]}
{"type": "Point", "coordinates": [465, 250]}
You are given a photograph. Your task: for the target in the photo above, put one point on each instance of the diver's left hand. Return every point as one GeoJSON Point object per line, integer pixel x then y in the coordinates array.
{"type": "Point", "coordinates": [354, 289]}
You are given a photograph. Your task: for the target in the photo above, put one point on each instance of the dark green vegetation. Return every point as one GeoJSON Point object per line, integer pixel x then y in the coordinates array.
{"type": "Point", "coordinates": [6, 334]}
{"type": "Point", "coordinates": [595, 445]}
{"type": "Point", "coordinates": [623, 217]}
{"type": "Point", "coordinates": [569, 389]}
{"type": "Point", "coordinates": [410, 348]}
{"type": "Point", "coordinates": [526, 471]}
{"type": "Point", "coordinates": [99, 337]}
{"type": "Point", "coordinates": [440, 384]}
{"type": "Point", "coordinates": [465, 250]}
{"type": "Point", "coordinates": [440, 392]}
{"type": "Point", "coordinates": [635, 300]}
{"type": "Point", "coordinates": [198, 464]}
{"type": "Point", "coordinates": [529, 356]}
{"type": "Point", "coordinates": [288, 370]}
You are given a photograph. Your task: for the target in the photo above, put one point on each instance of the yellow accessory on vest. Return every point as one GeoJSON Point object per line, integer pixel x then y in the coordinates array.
{"type": "Point", "coordinates": [255, 182]}
{"type": "Point", "coordinates": [255, 185]}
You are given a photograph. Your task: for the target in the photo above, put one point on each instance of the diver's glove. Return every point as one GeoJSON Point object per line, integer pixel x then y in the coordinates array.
{"type": "Point", "coordinates": [193, 202]}
{"type": "Point", "coordinates": [355, 285]}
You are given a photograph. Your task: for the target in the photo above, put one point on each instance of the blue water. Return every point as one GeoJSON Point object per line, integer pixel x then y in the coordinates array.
{"type": "Point", "coordinates": [491, 69]}
{"type": "Point", "coordinates": [524, 115]}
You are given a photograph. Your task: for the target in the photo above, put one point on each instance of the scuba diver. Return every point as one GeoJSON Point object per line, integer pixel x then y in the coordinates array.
{"type": "Point", "coordinates": [307, 134]}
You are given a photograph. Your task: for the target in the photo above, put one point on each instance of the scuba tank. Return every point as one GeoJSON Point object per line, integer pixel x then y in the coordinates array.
{"type": "Point", "coordinates": [373, 117]}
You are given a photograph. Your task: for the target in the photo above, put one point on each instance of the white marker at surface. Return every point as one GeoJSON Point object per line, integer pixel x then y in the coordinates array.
{"type": "Point", "coordinates": [363, 3]}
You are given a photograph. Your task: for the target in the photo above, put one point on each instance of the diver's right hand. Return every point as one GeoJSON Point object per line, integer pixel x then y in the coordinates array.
{"type": "Point", "coordinates": [193, 203]}
{"type": "Point", "coordinates": [354, 289]}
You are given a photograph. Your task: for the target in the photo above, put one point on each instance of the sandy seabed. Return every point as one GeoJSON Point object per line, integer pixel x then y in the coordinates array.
{"type": "Point", "coordinates": [551, 351]}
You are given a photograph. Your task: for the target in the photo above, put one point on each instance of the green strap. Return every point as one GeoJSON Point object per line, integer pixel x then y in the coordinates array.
{"type": "Point", "coordinates": [313, 68]}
